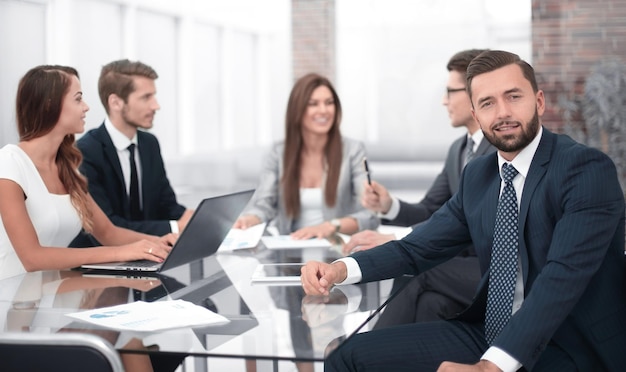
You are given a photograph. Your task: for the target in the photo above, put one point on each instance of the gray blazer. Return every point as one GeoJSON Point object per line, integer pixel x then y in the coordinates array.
{"type": "Point", "coordinates": [268, 204]}
{"type": "Point", "coordinates": [445, 185]}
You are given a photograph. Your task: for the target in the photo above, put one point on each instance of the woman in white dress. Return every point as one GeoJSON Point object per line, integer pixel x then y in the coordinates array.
{"type": "Point", "coordinates": [311, 182]}
{"type": "Point", "coordinates": [44, 200]}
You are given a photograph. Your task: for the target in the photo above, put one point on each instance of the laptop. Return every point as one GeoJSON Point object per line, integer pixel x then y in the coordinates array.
{"type": "Point", "coordinates": [207, 228]}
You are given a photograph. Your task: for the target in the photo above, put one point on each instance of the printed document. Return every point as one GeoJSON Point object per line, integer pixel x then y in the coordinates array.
{"type": "Point", "coordinates": [242, 238]}
{"type": "Point", "coordinates": [151, 316]}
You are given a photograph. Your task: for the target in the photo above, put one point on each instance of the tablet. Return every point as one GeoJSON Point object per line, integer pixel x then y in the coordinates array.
{"type": "Point", "coordinates": [277, 274]}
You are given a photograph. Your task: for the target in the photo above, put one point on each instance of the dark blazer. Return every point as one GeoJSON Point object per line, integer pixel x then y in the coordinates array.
{"type": "Point", "coordinates": [571, 248]}
{"type": "Point", "coordinates": [445, 185]}
{"type": "Point", "coordinates": [101, 166]}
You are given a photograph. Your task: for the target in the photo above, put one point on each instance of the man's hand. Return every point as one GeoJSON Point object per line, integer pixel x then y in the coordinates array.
{"type": "Point", "coordinates": [365, 240]}
{"type": "Point", "coordinates": [184, 220]}
{"type": "Point", "coordinates": [482, 366]}
{"type": "Point", "coordinates": [376, 198]}
{"type": "Point", "coordinates": [169, 239]}
{"type": "Point", "coordinates": [318, 277]}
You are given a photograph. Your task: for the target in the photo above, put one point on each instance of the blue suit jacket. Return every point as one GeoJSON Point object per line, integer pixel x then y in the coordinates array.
{"type": "Point", "coordinates": [101, 166]}
{"type": "Point", "coordinates": [571, 247]}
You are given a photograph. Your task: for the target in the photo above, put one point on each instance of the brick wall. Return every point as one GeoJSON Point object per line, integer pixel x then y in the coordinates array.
{"type": "Point", "coordinates": [569, 37]}
{"type": "Point", "coordinates": [313, 37]}
{"type": "Point", "coordinates": [579, 54]}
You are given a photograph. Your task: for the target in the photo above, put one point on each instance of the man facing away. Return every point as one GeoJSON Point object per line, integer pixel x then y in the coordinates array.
{"type": "Point", "coordinates": [122, 162]}
{"type": "Point", "coordinates": [546, 217]}
{"type": "Point", "coordinates": [448, 288]}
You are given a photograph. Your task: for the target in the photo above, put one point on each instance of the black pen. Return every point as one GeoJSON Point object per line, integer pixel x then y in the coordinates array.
{"type": "Point", "coordinates": [367, 171]}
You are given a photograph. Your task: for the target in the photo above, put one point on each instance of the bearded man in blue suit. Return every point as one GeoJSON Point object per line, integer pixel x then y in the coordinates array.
{"type": "Point", "coordinates": [568, 310]}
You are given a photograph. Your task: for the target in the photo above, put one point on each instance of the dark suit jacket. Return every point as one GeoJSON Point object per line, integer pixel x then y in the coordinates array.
{"type": "Point", "coordinates": [446, 184]}
{"type": "Point", "coordinates": [571, 248]}
{"type": "Point", "coordinates": [101, 166]}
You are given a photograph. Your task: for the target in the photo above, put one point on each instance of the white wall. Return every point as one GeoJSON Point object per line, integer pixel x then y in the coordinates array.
{"type": "Point", "coordinates": [224, 67]}
{"type": "Point", "coordinates": [391, 64]}
{"type": "Point", "coordinates": [225, 70]}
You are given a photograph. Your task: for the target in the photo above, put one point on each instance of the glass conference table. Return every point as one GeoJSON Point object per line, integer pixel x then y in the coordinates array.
{"type": "Point", "coordinates": [269, 325]}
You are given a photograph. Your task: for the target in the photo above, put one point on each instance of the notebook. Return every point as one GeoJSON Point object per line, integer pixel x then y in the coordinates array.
{"type": "Point", "coordinates": [207, 228]}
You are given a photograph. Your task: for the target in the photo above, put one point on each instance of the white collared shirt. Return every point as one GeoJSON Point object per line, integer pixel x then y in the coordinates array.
{"type": "Point", "coordinates": [121, 143]}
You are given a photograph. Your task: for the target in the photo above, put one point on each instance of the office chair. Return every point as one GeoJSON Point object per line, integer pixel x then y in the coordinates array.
{"type": "Point", "coordinates": [67, 352]}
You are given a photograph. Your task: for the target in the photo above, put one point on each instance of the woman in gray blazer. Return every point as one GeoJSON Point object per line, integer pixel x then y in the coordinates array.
{"type": "Point", "coordinates": [311, 182]}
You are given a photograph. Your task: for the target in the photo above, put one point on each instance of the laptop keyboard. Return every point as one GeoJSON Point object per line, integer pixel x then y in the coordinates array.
{"type": "Point", "coordinates": [141, 263]}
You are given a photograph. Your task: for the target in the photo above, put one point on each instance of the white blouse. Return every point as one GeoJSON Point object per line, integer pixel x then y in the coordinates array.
{"type": "Point", "coordinates": [55, 219]}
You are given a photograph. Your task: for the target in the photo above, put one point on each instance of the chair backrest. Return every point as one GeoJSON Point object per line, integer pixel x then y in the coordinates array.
{"type": "Point", "coordinates": [67, 352]}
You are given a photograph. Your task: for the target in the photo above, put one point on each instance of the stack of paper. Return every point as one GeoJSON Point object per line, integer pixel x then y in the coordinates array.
{"type": "Point", "coordinates": [151, 316]}
{"type": "Point", "coordinates": [287, 242]}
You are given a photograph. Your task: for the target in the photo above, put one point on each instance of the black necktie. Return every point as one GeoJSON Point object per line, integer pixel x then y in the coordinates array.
{"type": "Point", "coordinates": [503, 266]}
{"type": "Point", "coordinates": [135, 209]}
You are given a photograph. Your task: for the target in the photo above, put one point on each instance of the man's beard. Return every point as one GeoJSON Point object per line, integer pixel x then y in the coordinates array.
{"type": "Point", "coordinates": [129, 121]}
{"type": "Point", "coordinates": [510, 143]}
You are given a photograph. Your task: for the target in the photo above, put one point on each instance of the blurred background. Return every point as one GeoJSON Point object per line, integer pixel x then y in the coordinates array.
{"type": "Point", "coordinates": [226, 68]}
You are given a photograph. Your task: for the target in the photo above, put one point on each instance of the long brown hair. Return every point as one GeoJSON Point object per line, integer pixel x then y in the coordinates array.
{"type": "Point", "coordinates": [296, 108]}
{"type": "Point", "coordinates": [39, 104]}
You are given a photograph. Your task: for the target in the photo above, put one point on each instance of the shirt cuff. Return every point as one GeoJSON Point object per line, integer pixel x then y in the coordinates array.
{"type": "Point", "coordinates": [501, 359]}
{"type": "Point", "coordinates": [353, 271]}
{"type": "Point", "coordinates": [393, 211]}
{"type": "Point", "coordinates": [174, 226]}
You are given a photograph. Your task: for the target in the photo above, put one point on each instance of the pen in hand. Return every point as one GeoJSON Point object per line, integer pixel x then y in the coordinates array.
{"type": "Point", "coordinates": [367, 172]}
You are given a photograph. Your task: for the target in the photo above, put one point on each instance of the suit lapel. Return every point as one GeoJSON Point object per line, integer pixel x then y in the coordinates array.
{"type": "Point", "coordinates": [110, 152]}
{"type": "Point", "coordinates": [459, 147]}
{"type": "Point", "coordinates": [484, 148]}
{"type": "Point", "coordinates": [536, 172]}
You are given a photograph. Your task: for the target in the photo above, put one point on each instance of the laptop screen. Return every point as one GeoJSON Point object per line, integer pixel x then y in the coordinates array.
{"type": "Point", "coordinates": [207, 228]}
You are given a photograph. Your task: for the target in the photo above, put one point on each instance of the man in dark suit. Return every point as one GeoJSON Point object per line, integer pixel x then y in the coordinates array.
{"type": "Point", "coordinates": [128, 93]}
{"type": "Point", "coordinates": [447, 289]}
{"type": "Point", "coordinates": [567, 286]}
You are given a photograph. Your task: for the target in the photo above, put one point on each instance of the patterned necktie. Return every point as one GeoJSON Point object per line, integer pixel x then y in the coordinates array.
{"type": "Point", "coordinates": [469, 151]}
{"type": "Point", "coordinates": [503, 267]}
{"type": "Point", "coordinates": [133, 196]}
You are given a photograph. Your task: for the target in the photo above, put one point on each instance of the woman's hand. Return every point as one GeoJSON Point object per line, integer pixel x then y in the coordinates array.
{"type": "Point", "coordinates": [146, 250]}
{"type": "Point", "coordinates": [246, 221]}
{"type": "Point", "coordinates": [323, 230]}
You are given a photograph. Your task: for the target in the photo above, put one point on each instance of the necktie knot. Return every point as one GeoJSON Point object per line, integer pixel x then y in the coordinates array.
{"type": "Point", "coordinates": [131, 149]}
{"type": "Point", "coordinates": [508, 172]}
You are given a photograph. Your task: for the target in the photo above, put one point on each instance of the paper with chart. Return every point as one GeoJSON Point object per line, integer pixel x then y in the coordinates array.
{"type": "Point", "coordinates": [242, 238]}
{"type": "Point", "coordinates": [151, 316]}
